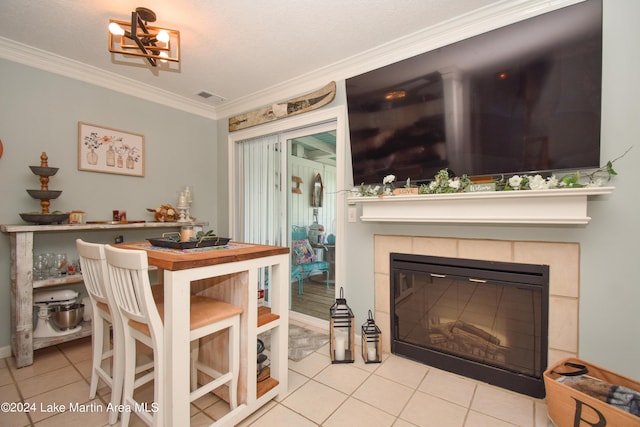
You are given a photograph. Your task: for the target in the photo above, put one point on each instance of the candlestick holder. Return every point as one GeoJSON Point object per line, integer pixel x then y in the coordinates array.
{"type": "Point", "coordinates": [183, 208]}
{"type": "Point", "coordinates": [188, 196]}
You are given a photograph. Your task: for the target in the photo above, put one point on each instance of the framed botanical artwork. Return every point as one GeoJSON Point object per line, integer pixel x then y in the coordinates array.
{"type": "Point", "coordinates": [108, 150]}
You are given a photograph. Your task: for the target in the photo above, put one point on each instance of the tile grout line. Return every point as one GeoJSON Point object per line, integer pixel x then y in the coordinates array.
{"type": "Point", "coordinates": [16, 384]}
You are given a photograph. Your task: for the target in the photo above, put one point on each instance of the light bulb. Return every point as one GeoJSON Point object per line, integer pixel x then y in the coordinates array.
{"type": "Point", "coordinates": [164, 54]}
{"type": "Point", "coordinates": [163, 36]}
{"type": "Point", "coordinates": [116, 29]}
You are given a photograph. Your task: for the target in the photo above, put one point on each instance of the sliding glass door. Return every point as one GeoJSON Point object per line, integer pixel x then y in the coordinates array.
{"type": "Point", "coordinates": [311, 217]}
{"type": "Point", "coordinates": [262, 204]}
{"type": "Point", "coordinates": [287, 182]}
{"type": "Point", "coordinates": [276, 171]}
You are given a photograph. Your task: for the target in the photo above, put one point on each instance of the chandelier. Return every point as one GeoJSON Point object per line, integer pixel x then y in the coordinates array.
{"type": "Point", "coordinates": [137, 38]}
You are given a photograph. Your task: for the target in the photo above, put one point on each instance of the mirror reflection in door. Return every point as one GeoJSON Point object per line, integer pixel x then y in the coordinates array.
{"type": "Point", "coordinates": [312, 221]}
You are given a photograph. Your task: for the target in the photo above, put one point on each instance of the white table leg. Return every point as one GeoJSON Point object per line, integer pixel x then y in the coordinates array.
{"type": "Point", "coordinates": [177, 349]}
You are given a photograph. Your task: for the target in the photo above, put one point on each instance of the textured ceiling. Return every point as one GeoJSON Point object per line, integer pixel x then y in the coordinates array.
{"type": "Point", "coordinates": [231, 48]}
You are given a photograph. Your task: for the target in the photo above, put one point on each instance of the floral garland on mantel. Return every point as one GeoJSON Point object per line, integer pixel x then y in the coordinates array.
{"type": "Point", "coordinates": [444, 183]}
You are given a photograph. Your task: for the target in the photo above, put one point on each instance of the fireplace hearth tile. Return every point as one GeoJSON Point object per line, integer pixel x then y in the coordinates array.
{"type": "Point", "coordinates": [486, 250]}
{"type": "Point", "coordinates": [503, 405]}
{"type": "Point", "coordinates": [382, 296]}
{"type": "Point", "coordinates": [445, 385]}
{"type": "Point", "coordinates": [384, 394]}
{"type": "Point", "coordinates": [403, 371]}
{"type": "Point", "coordinates": [384, 245]}
{"type": "Point", "coordinates": [424, 409]}
{"type": "Point", "coordinates": [563, 315]}
{"type": "Point", "coordinates": [435, 246]}
{"type": "Point", "coordinates": [563, 259]}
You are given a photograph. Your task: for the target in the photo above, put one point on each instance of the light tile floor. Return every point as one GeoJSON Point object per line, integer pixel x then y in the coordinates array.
{"type": "Point", "coordinates": [397, 392]}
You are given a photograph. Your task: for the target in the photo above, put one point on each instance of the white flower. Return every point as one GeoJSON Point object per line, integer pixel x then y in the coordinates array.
{"type": "Point", "coordinates": [553, 181]}
{"type": "Point", "coordinates": [515, 181]}
{"type": "Point", "coordinates": [376, 189]}
{"type": "Point", "coordinates": [597, 182]}
{"type": "Point", "coordinates": [538, 183]}
{"type": "Point", "coordinates": [433, 185]}
{"type": "Point", "coordinates": [454, 183]}
{"type": "Point", "coordinates": [388, 179]}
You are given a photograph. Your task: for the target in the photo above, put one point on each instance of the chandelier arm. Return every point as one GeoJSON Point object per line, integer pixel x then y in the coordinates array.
{"type": "Point", "coordinates": [144, 50]}
{"type": "Point", "coordinates": [135, 20]}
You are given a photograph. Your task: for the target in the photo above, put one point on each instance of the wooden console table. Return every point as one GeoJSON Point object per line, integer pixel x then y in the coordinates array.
{"type": "Point", "coordinates": [21, 238]}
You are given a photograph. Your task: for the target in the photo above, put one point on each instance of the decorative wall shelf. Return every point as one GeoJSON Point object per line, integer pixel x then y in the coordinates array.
{"type": "Point", "coordinates": [557, 206]}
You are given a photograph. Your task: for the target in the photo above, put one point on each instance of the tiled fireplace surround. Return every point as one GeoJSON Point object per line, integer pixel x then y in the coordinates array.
{"type": "Point", "coordinates": [564, 270]}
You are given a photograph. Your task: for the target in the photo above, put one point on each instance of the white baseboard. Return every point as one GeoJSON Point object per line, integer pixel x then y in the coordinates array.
{"type": "Point", "coordinates": [5, 352]}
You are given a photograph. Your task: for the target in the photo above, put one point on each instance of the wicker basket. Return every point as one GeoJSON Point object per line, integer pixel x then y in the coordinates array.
{"type": "Point", "coordinates": [568, 407]}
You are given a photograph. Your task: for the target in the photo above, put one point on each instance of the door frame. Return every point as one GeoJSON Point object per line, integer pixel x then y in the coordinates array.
{"type": "Point", "coordinates": [337, 114]}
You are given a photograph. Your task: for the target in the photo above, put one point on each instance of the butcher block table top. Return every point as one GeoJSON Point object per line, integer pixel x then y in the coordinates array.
{"type": "Point", "coordinates": [183, 259]}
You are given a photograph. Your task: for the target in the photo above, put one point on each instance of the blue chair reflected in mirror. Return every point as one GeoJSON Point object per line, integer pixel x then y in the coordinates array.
{"type": "Point", "coordinates": [305, 261]}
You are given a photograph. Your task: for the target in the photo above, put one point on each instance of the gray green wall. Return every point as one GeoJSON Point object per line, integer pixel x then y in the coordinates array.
{"type": "Point", "coordinates": [39, 111]}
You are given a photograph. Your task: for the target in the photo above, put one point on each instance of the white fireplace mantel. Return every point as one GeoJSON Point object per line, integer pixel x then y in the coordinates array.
{"type": "Point", "coordinates": [556, 206]}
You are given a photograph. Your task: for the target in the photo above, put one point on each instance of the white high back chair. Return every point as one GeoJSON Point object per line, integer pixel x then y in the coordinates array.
{"type": "Point", "coordinates": [142, 321]}
{"type": "Point", "coordinates": [105, 318]}
{"type": "Point", "coordinates": [94, 274]}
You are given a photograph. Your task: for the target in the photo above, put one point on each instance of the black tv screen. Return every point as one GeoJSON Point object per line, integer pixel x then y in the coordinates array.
{"type": "Point", "coordinates": [524, 98]}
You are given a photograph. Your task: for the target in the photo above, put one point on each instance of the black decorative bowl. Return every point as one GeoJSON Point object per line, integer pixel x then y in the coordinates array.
{"type": "Point", "coordinates": [43, 170]}
{"type": "Point", "coordinates": [44, 194]}
{"type": "Point", "coordinates": [42, 219]}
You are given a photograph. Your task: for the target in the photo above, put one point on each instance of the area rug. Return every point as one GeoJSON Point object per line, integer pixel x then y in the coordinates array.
{"type": "Point", "coordinates": [302, 341]}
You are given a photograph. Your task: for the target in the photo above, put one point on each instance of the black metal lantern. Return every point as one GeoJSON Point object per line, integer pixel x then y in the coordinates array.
{"type": "Point", "coordinates": [371, 341]}
{"type": "Point", "coordinates": [341, 331]}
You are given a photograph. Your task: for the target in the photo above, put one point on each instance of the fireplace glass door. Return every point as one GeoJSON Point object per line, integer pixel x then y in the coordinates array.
{"type": "Point", "coordinates": [472, 316]}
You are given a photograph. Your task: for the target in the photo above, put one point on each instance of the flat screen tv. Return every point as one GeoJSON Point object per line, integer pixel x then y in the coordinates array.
{"type": "Point", "coordinates": [524, 98]}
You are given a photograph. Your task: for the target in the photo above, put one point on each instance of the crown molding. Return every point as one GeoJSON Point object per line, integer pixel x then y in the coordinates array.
{"type": "Point", "coordinates": [459, 28]}
{"type": "Point", "coordinates": [47, 61]}
{"type": "Point", "coordinates": [477, 22]}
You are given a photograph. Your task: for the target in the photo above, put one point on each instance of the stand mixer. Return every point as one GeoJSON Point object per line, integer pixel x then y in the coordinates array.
{"type": "Point", "coordinates": [46, 301]}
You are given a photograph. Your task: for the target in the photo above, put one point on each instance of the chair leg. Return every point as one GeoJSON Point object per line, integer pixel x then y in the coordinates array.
{"type": "Point", "coordinates": [117, 373]}
{"type": "Point", "coordinates": [129, 377]}
{"type": "Point", "coordinates": [300, 285]}
{"type": "Point", "coordinates": [158, 387]}
{"type": "Point", "coordinates": [327, 281]}
{"type": "Point", "coordinates": [97, 344]}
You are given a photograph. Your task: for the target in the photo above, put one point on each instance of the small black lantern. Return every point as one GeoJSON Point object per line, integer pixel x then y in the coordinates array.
{"type": "Point", "coordinates": [342, 331]}
{"type": "Point", "coordinates": [371, 341]}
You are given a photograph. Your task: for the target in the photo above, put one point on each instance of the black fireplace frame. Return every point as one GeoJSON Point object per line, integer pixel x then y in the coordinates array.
{"type": "Point", "coordinates": [526, 275]}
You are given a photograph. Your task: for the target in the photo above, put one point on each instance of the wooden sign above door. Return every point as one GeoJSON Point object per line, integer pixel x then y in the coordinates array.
{"type": "Point", "coordinates": [301, 104]}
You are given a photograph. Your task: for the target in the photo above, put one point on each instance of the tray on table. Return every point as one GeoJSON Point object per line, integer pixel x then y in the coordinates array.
{"type": "Point", "coordinates": [192, 244]}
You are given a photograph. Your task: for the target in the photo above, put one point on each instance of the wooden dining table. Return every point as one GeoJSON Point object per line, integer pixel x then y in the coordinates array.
{"type": "Point", "coordinates": [230, 273]}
